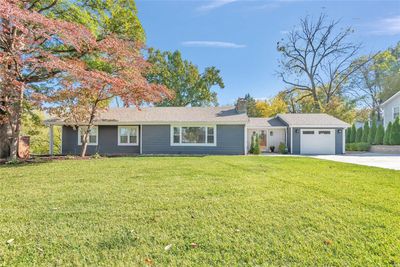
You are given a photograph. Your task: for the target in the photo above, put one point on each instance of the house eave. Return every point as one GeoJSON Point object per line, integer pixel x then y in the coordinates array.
{"type": "Point", "coordinates": [390, 99]}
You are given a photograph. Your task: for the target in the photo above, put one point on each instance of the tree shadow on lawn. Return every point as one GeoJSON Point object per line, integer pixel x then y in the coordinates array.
{"type": "Point", "coordinates": [120, 239]}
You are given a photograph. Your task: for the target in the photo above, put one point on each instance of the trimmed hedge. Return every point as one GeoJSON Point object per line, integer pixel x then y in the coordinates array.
{"type": "Point", "coordinates": [358, 147]}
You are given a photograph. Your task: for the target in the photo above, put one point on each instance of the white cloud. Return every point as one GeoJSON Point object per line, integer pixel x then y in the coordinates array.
{"type": "Point", "coordinates": [386, 26]}
{"type": "Point", "coordinates": [217, 44]}
{"type": "Point", "coordinates": [215, 4]}
{"type": "Point", "coordinates": [267, 6]}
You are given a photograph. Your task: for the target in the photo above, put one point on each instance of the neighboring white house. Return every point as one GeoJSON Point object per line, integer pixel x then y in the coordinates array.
{"type": "Point", "coordinates": [391, 109]}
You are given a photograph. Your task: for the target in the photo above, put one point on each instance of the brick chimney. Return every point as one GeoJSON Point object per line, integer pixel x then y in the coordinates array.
{"type": "Point", "coordinates": [241, 105]}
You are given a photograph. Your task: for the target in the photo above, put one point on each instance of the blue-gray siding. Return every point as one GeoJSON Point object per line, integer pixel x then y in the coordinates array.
{"type": "Point", "coordinates": [107, 143]}
{"type": "Point", "coordinates": [296, 140]}
{"type": "Point", "coordinates": [156, 139]}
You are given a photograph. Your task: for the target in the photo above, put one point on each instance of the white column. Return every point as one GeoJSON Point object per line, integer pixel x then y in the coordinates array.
{"type": "Point", "coordinates": [245, 139]}
{"type": "Point", "coordinates": [51, 136]}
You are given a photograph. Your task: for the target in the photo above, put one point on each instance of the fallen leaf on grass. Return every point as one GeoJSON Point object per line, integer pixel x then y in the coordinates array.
{"type": "Point", "coordinates": [10, 242]}
{"type": "Point", "coordinates": [168, 247]}
{"type": "Point", "coordinates": [328, 242]}
{"type": "Point", "coordinates": [194, 245]}
{"type": "Point", "coordinates": [148, 261]}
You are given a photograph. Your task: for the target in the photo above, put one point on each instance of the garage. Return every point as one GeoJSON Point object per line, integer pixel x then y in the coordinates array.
{"type": "Point", "coordinates": [317, 141]}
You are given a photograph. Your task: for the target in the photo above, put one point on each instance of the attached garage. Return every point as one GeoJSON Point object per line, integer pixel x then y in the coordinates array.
{"type": "Point", "coordinates": [315, 134]}
{"type": "Point", "coordinates": [317, 141]}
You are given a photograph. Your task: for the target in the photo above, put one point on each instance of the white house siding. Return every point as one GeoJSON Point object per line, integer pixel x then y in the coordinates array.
{"type": "Point", "coordinates": [278, 136]}
{"type": "Point", "coordinates": [388, 110]}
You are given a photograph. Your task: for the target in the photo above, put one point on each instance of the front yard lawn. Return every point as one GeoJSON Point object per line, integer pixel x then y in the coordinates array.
{"type": "Point", "coordinates": [213, 210]}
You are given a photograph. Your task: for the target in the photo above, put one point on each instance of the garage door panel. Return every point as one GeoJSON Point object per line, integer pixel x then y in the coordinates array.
{"type": "Point", "coordinates": [317, 141]}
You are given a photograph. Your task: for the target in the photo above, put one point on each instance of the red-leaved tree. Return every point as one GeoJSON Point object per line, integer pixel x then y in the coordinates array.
{"type": "Point", "coordinates": [119, 72]}
{"type": "Point", "coordinates": [26, 39]}
{"type": "Point", "coordinates": [36, 51]}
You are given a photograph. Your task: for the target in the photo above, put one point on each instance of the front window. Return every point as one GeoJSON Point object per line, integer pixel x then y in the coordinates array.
{"type": "Point", "coordinates": [93, 135]}
{"type": "Point", "coordinates": [128, 135]}
{"type": "Point", "coordinates": [396, 112]}
{"type": "Point", "coordinates": [193, 135]}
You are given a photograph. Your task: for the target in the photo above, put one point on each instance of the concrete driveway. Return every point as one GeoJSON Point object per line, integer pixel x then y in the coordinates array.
{"type": "Point", "coordinates": [387, 161]}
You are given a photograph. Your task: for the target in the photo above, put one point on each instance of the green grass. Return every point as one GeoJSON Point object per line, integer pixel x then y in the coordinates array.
{"type": "Point", "coordinates": [238, 210]}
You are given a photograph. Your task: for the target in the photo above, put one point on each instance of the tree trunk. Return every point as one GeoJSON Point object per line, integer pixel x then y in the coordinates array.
{"type": "Point", "coordinates": [14, 147]}
{"type": "Point", "coordinates": [85, 142]}
{"type": "Point", "coordinates": [5, 135]}
{"type": "Point", "coordinates": [16, 126]}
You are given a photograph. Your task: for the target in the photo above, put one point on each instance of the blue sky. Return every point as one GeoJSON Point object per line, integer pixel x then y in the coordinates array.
{"type": "Point", "coordinates": [239, 37]}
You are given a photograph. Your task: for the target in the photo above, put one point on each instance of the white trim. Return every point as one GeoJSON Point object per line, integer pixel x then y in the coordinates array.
{"type": "Point", "coordinates": [172, 126]}
{"type": "Point", "coordinates": [291, 140]}
{"type": "Point", "coordinates": [89, 144]}
{"type": "Point", "coordinates": [51, 141]}
{"type": "Point", "coordinates": [320, 126]}
{"type": "Point", "coordinates": [343, 141]}
{"type": "Point", "coordinates": [393, 118]}
{"type": "Point", "coordinates": [245, 140]}
{"type": "Point", "coordinates": [390, 99]}
{"type": "Point", "coordinates": [286, 137]}
{"type": "Point", "coordinates": [116, 123]}
{"type": "Point", "coordinates": [131, 127]}
{"type": "Point", "coordinates": [140, 139]}
{"type": "Point", "coordinates": [266, 127]}
{"type": "Point", "coordinates": [61, 136]}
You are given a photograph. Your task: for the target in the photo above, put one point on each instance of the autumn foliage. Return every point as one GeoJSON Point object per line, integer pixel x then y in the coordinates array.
{"type": "Point", "coordinates": [83, 71]}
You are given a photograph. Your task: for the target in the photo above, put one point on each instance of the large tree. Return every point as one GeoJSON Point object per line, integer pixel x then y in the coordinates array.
{"type": "Point", "coordinates": [373, 78]}
{"type": "Point", "coordinates": [272, 107]}
{"type": "Point", "coordinates": [184, 79]}
{"type": "Point", "coordinates": [317, 56]}
{"type": "Point", "coordinates": [102, 17]}
{"type": "Point", "coordinates": [37, 52]}
{"type": "Point", "coordinates": [26, 37]}
{"type": "Point", "coordinates": [119, 72]}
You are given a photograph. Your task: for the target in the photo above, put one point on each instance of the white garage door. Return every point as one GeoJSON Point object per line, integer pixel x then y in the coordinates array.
{"type": "Point", "coordinates": [317, 141]}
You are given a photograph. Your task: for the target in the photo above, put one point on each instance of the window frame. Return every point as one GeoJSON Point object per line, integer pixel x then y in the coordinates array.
{"type": "Point", "coordinates": [325, 132]}
{"type": "Point", "coordinates": [131, 127]}
{"type": "Point", "coordinates": [89, 143]}
{"type": "Point", "coordinates": [180, 126]}
{"type": "Point", "coordinates": [394, 118]}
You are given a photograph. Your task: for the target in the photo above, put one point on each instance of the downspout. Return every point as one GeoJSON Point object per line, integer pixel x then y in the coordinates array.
{"type": "Point", "coordinates": [291, 140]}
{"type": "Point", "coordinates": [140, 141]}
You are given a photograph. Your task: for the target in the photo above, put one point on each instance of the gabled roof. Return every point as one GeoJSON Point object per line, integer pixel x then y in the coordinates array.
{"type": "Point", "coordinates": [265, 122]}
{"type": "Point", "coordinates": [227, 114]}
{"type": "Point", "coordinates": [311, 120]}
{"type": "Point", "coordinates": [391, 98]}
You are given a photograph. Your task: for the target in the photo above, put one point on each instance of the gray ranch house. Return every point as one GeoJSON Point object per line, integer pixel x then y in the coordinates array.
{"type": "Point", "coordinates": [202, 130]}
{"type": "Point", "coordinates": [391, 109]}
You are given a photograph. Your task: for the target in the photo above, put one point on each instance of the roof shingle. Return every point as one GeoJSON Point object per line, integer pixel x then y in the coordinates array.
{"type": "Point", "coordinates": [312, 120]}
{"type": "Point", "coordinates": [227, 114]}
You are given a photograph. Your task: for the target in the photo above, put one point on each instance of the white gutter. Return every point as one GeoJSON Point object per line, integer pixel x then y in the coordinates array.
{"type": "Point", "coordinates": [291, 140]}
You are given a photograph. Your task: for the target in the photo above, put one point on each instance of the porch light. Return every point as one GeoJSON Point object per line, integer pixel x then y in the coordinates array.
{"type": "Point", "coordinates": [296, 131]}
{"type": "Point", "coordinates": [339, 131]}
